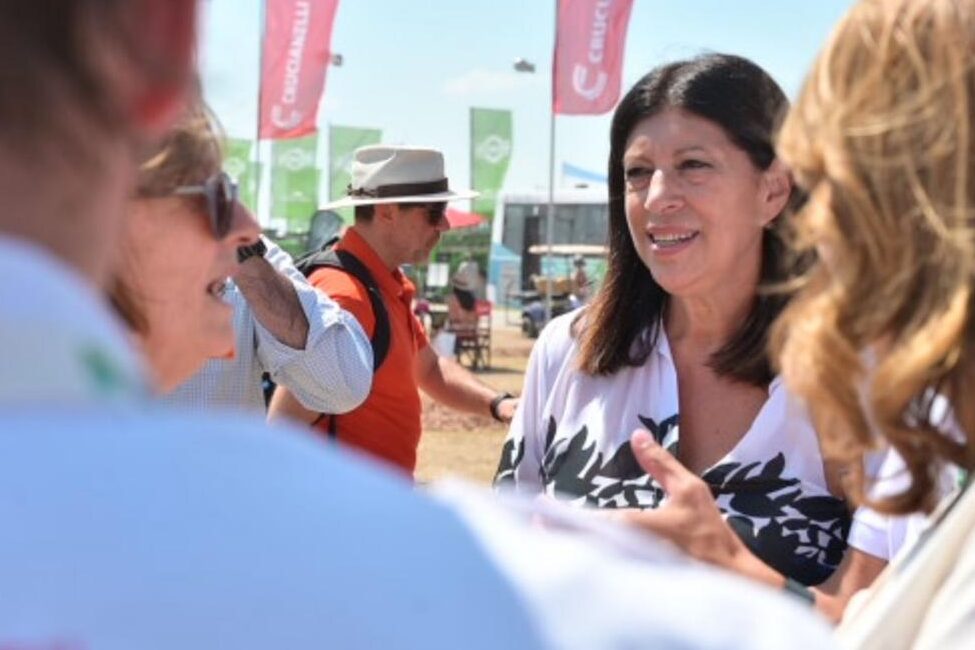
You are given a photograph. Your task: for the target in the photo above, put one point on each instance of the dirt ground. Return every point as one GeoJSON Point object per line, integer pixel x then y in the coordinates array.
{"type": "Point", "coordinates": [465, 445]}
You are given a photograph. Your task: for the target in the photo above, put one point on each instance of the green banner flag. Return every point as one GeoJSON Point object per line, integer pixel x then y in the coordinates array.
{"type": "Point", "coordinates": [294, 181]}
{"type": "Point", "coordinates": [490, 154]}
{"type": "Point", "coordinates": [239, 164]}
{"type": "Point", "coordinates": [343, 141]}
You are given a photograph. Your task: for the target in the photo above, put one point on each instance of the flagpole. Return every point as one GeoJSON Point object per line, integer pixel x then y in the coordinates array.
{"type": "Point", "coordinates": [262, 25]}
{"type": "Point", "coordinates": [328, 166]}
{"type": "Point", "coordinates": [550, 211]}
{"type": "Point", "coordinates": [470, 146]}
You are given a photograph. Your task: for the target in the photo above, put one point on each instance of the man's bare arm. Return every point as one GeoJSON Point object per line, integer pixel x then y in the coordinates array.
{"type": "Point", "coordinates": [274, 301]}
{"type": "Point", "coordinates": [452, 385]}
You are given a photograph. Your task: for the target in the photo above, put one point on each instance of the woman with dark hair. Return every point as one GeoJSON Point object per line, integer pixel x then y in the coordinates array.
{"type": "Point", "coordinates": [675, 340]}
{"type": "Point", "coordinates": [880, 340]}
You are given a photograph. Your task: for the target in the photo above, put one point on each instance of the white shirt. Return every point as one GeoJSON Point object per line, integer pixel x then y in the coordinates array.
{"type": "Point", "coordinates": [925, 600]}
{"type": "Point", "coordinates": [570, 439]}
{"type": "Point", "coordinates": [131, 525]}
{"type": "Point", "coordinates": [332, 374]}
{"type": "Point", "coordinates": [886, 536]}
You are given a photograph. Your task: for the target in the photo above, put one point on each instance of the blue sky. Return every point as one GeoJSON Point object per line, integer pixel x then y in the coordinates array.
{"type": "Point", "coordinates": [414, 69]}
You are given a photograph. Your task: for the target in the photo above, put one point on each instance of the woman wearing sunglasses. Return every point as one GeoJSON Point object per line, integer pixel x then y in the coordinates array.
{"type": "Point", "coordinates": [179, 249]}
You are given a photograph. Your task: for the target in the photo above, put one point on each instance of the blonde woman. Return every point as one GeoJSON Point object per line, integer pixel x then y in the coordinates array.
{"type": "Point", "coordinates": [882, 341]}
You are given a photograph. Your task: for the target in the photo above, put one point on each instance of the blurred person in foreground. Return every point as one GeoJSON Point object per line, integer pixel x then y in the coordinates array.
{"type": "Point", "coordinates": [880, 340]}
{"type": "Point", "coordinates": [132, 525]}
{"type": "Point", "coordinates": [675, 338]}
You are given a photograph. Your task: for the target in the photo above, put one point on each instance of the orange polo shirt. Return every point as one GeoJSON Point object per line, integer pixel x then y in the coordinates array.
{"type": "Point", "coordinates": [387, 424]}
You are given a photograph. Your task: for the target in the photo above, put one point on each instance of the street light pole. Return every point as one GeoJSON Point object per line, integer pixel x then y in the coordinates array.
{"type": "Point", "coordinates": [550, 218]}
{"type": "Point", "coordinates": [521, 65]}
{"type": "Point", "coordinates": [550, 213]}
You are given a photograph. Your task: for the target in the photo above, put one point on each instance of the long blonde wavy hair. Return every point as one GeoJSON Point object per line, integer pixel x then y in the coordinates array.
{"type": "Point", "coordinates": [881, 137]}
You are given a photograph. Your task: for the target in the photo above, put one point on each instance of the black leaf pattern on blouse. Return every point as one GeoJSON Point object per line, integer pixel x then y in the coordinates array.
{"type": "Point", "coordinates": [662, 431]}
{"type": "Point", "coordinates": [512, 453]}
{"type": "Point", "coordinates": [574, 469]}
{"type": "Point", "coordinates": [803, 537]}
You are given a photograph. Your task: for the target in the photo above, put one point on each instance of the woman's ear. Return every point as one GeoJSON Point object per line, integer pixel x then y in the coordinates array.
{"type": "Point", "coordinates": [776, 190]}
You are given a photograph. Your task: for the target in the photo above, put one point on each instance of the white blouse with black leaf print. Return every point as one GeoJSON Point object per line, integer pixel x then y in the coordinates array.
{"type": "Point", "coordinates": [570, 439]}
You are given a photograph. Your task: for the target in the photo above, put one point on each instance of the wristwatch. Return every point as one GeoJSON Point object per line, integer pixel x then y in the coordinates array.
{"type": "Point", "coordinates": [246, 252]}
{"type": "Point", "coordinates": [496, 402]}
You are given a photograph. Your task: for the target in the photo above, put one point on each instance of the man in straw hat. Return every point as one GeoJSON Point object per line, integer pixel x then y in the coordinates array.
{"type": "Point", "coordinates": [400, 196]}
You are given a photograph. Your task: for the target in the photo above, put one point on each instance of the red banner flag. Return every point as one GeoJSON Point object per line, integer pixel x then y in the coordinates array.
{"type": "Point", "coordinates": [297, 44]}
{"type": "Point", "coordinates": [589, 42]}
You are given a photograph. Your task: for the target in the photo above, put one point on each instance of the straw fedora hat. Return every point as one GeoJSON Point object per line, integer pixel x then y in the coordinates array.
{"type": "Point", "coordinates": [461, 282]}
{"type": "Point", "coordinates": [388, 174]}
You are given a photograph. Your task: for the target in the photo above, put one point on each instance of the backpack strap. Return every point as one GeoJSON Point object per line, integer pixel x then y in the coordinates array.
{"type": "Point", "coordinates": [348, 263]}
{"type": "Point", "coordinates": [381, 333]}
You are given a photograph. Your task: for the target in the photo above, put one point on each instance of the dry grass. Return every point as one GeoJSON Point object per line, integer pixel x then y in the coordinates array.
{"type": "Point", "coordinates": [469, 445]}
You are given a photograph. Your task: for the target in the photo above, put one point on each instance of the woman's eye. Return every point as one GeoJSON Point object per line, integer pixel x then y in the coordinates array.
{"type": "Point", "coordinates": [637, 175]}
{"type": "Point", "coordinates": [693, 163]}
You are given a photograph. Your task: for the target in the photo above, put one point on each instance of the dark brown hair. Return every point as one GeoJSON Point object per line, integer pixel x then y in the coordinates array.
{"type": "Point", "coordinates": [365, 213]}
{"type": "Point", "coordinates": [621, 326]}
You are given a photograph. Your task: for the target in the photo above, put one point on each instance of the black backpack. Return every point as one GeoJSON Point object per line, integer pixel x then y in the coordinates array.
{"type": "Point", "coordinates": [346, 262]}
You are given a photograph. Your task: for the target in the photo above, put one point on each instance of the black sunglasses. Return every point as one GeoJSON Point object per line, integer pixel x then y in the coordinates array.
{"type": "Point", "coordinates": [435, 212]}
{"type": "Point", "coordinates": [220, 192]}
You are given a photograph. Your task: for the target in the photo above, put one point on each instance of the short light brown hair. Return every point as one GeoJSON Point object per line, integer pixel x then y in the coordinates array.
{"type": "Point", "coordinates": [188, 154]}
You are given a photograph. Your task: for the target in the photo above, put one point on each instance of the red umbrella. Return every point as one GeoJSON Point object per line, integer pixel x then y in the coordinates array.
{"type": "Point", "coordinates": [461, 219]}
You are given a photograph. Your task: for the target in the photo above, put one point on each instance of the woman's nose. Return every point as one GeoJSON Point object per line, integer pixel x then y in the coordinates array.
{"type": "Point", "coordinates": [663, 193]}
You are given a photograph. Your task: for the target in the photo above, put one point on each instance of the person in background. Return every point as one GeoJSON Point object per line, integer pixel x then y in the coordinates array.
{"type": "Point", "coordinates": [461, 303]}
{"type": "Point", "coordinates": [469, 271]}
{"type": "Point", "coordinates": [581, 286]}
{"type": "Point", "coordinates": [675, 339]}
{"type": "Point", "coordinates": [400, 196]}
